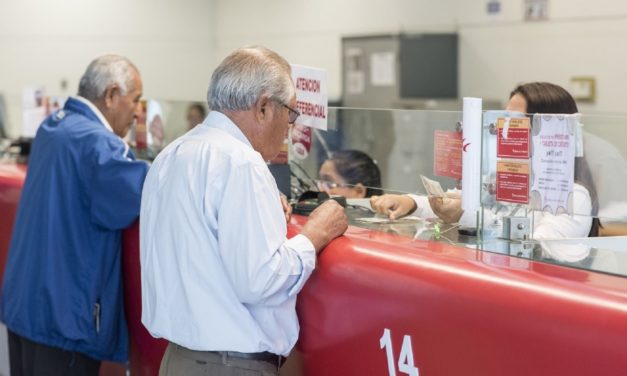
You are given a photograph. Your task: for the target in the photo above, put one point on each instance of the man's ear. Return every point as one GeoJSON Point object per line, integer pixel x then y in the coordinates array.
{"type": "Point", "coordinates": [111, 92]}
{"type": "Point", "coordinates": [262, 107]}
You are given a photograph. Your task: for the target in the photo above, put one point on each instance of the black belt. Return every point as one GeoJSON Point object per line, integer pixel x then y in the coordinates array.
{"type": "Point", "coordinates": [265, 356]}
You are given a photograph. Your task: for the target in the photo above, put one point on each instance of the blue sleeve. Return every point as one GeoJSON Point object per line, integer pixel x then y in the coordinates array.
{"type": "Point", "coordinates": [115, 186]}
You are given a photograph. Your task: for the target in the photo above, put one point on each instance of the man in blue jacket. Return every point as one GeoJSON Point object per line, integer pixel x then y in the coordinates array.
{"type": "Point", "coordinates": [62, 291]}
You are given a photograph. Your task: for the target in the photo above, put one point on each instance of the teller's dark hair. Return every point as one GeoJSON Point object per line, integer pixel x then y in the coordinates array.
{"type": "Point", "coordinates": [356, 167]}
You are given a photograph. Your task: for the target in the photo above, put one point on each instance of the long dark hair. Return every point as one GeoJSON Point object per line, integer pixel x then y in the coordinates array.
{"type": "Point", "coordinates": [548, 98]}
{"type": "Point", "coordinates": [356, 167]}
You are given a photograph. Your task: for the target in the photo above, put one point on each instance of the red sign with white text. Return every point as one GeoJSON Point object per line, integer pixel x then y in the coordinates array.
{"type": "Point", "coordinates": [513, 138]}
{"type": "Point", "coordinates": [447, 154]}
{"type": "Point", "coordinates": [512, 182]}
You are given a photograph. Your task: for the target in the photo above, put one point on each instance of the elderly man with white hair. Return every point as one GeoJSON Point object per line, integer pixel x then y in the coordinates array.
{"type": "Point", "coordinates": [219, 277]}
{"type": "Point", "coordinates": [62, 289]}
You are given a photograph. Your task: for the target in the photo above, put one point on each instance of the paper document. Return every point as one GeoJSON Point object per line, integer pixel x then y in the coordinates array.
{"type": "Point", "coordinates": [409, 218]}
{"type": "Point", "coordinates": [433, 188]}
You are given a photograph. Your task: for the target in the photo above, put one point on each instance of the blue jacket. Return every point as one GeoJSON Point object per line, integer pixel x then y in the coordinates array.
{"type": "Point", "coordinates": [62, 283]}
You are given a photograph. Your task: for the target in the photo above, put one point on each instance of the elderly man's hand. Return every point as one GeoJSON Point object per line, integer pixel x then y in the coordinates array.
{"type": "Point", "coordinates": [394, 206]}
{"type": "Point", "coordinates": [325, 223]}
{"type": "Point", "coordinates": [448, 208]}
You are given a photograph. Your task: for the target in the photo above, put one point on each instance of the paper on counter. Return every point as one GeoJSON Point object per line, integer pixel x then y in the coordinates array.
{"type": "Point", "coordinates": [410, 218]}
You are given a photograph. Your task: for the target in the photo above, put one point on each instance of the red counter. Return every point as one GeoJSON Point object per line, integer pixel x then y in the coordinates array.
{"type": "Point", "coordinates": [381, 304]}
{"type": "Point", "coordinates": [459, 311]}
{"type": "Point", "coordinates": [11, 181]}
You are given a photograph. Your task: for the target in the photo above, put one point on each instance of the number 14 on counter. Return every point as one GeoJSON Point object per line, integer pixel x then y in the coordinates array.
{"type": "Point", "coordinates": [405, 360]}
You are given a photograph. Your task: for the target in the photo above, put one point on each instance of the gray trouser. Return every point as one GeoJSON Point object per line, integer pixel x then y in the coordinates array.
{"type": "Point", "coordinates": [179, 360]}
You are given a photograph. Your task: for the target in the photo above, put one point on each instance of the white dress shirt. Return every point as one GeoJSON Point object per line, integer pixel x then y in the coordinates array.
{"type": "Point", "coordinates": [218, 273]}
{"type": "Point", "coordinates": [546, 225]}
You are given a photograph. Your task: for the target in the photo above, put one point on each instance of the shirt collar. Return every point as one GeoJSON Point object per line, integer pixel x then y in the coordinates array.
{"type": "Point", "coordinates": [218, 120]}
{"type": "Point", "coordinates": [95, 110]}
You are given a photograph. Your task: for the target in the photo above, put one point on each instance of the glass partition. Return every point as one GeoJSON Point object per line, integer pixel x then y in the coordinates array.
{"type": "Point", "coordinates": [408, 144]}
{"type": "Point", "coordinates": [605, 150]}
{"type": "Point", "coordinates": [566, 200]}
{"type": "Point", "coordinates": [401, 142]}
{"type": "Point", "coordinates": [556, 164]}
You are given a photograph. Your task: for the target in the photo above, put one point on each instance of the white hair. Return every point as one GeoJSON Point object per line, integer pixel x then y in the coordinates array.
{"type": "Point", "coordinates": [105, 71]}
{"type": "Point", "coordinates": [247, 74]}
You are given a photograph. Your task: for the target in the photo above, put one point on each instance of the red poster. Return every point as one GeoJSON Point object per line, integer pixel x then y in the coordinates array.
{"type": "Point", "coordinates": [512, 182]}
{"type": "Point", "coordinates": [447, 154]}
{"type": "Point", "coordinates": [281, 158]}
{"type": "Point", "coordinates": [301, 140]}
{"type": "Point", "coordinates": [513, 138]}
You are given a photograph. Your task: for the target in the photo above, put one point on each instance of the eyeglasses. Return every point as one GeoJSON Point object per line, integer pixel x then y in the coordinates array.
{"type": "Point", "coordinates": [293, 114]}
{"type": "Point", "coordinates": [325, 185]}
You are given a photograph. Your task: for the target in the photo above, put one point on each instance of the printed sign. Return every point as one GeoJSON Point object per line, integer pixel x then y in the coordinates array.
{"type": "Point", "coordinates": [355, 76]}
{"type": "Point", "coordinates": [493, 7]}
{"type": "Point", "coordinates": [447, 154]}
{"type": "Point", "coordinates": [382, 69]}
{"type": "Point", "coordinates": [553, 162]}
{"type": "Point", "coordinates": [513, 138]}
{"type": "Point", "coordinates": [311, 96]}
{"type": "Point", "coordinates": [512, 182]}
{"type": "Point", "coordinates": [33, 109]}
{"type": "Point", "coordinates": [536, 10]}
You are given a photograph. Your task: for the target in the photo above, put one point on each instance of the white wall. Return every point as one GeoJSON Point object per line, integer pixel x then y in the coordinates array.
{"type": "Point", "coordinates": [177, 44]}
{"type": "Point", "coordinates": [582, 38]}
{"type": "Point", "coordinates": [45, 41]}
{"type": "Point", "coordinates": [310, 32]}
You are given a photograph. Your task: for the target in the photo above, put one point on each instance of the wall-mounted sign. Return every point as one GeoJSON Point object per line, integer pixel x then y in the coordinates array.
{"type": "Point", "coordinates": [583, 88]}
{"type": "Point", "coordinates": [493, 7]}
{"type": "Point", "coordinates": [34, 103]}
{"type": "Point", "coordinates": [383, 68]}
{"type": "Point", "coordinates": [355, 75]}
{"type": "Point", "coordinates": [536, 10]}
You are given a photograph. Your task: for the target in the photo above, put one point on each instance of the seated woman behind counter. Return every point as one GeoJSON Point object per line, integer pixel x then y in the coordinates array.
{"type": "Point", "coordinates": [530, 98]}
{"type": "Point", "coordinates": [350, 173]}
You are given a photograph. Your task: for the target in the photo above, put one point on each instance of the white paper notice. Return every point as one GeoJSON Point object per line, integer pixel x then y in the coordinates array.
{"type": "Point", "coordinates": [382, 69]}
{"type": "Point", "coordinates": [355, 75]}
{"type": "Point", "coordinates": [311, 96]}
{"type": "Point", "coordinates": [355, 82]}
{"type": "Point", "coordinates": [31, 120]}
{"type": "Point", "coordinates": [553, 163]}
{"type": "Point", "coordinates": [33, 109]}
